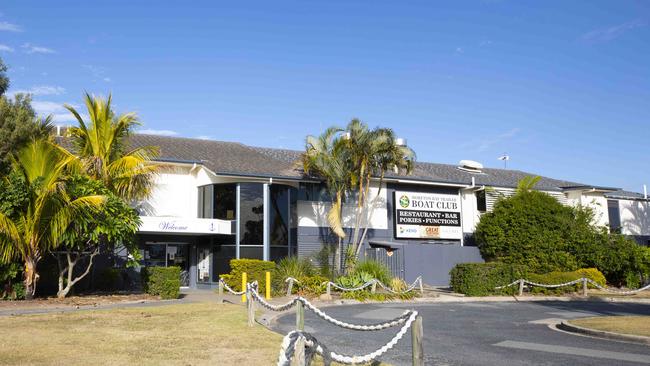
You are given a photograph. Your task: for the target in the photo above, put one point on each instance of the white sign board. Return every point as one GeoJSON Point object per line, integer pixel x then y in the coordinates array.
{"type": "Point", "coordinates": [427, 216]}
{"type": "Point", "coordinates": [180, 225]}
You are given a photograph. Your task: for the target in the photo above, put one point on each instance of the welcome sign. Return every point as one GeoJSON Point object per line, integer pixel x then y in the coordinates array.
{"type": "Point", "coordinates": [427, 216]}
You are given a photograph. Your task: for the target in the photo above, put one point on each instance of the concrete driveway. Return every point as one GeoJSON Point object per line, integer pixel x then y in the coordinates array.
{"type": "Point", "coordinates": [482, 333]}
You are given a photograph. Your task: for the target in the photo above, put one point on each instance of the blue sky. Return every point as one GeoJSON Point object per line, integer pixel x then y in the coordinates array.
{"type": "Point", "coordinates": [562, 86]}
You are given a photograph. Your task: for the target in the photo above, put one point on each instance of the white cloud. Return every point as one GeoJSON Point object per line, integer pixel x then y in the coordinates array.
{"type": "Point", "coordinates": [149, 131]}
{"type": "Point", "coordinates": [613, 32]}
{"type": "Point", "coordinates": [459, 50]}
{"type": "Point", "coordinates": [10, 27]}
{"type": "Point", "coordinates": [205, 137]}
{"type": "Point", "coordinates": [485, 143]}
{"type": "Point", "coordinates": [108, 80]}
{"type": "Point", "coordinates": [42, 90]}
{"type": "Point", "coordinates": [5, 48]}
{"type": "Point", "coordinates": [485, 43]}
{"type": "Point", "coordinates": [30, 48]}
{"type": "Point", "coordinates": [56, 110]}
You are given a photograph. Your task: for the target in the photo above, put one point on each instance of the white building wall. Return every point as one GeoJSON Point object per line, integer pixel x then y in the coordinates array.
{"type": "Point", "coordinates": [314, 214]}
{"type": "Point", "coordinates": [594, 200]}
{"type": "Point", "coordinates": [635, 217]}
{"type": "Point", "coordinates": [470, 215]}
{"type": "Point", "coordinates": [174, 194]}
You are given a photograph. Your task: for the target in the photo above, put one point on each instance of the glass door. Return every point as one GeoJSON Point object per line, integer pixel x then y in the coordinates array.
{"type": "Point", "coordinates": [203, 259]}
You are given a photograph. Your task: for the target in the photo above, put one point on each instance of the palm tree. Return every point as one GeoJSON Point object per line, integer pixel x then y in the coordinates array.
{"type": "Point", "coordinates": [325, 156]}
{"type": "Point", "coordinates": [100, 145]}
{"type": "Point", "coordinates": [372, 153]}
{"type": "Point", "coordinates": [48, 212]}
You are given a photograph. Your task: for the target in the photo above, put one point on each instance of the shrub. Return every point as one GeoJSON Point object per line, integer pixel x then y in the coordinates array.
{"type": "Point", "coordinates": [108, 279]}
{"type": "Point", "coordinates": [162, 281]}
{"type": "Point", "coordinates": [311, 286]}
{"type": "Point", "coordinates": [555, 278]}
{"type": "Point", "coordinates": [255, 270]}
{"type": "Point", "coordinates": [377, 270]}
{"type": "Point", "coordinates": [290, 267]}
{"type": "Point", "coordinates": [480, 279]}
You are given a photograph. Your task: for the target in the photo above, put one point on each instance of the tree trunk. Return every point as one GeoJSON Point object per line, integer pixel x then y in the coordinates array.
{"type": "Point", "coordinates": [69, 271]}
{"type": "Point", "coordinates": [31, 276]}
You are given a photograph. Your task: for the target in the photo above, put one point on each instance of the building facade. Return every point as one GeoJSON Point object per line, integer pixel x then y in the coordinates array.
{"type": "Point", "coordinates": [214, 201]}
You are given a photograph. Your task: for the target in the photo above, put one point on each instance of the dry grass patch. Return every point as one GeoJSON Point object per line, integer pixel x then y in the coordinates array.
{"type": "Point", "coordinates": [187, 334]}
{"type": "Point", "coordinates": [635, 325]}
{"type": "Point", "coordinates": [638, 295]}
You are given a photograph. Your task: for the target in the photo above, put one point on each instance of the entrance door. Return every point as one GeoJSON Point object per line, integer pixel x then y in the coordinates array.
{"type": "Point", "coordinates": [203, 259]}
{"type": "Point", "coordinates": [167, 255]}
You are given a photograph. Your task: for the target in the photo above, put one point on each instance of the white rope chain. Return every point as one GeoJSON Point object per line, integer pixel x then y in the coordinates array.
{"type": "Point", "coordinates": [579, 280]}
{"type": "Point", "coordinates": [408, 289]}
{"type": "Point", "coordinates": [346, 289]}
{"type": "Point", "coordinates": [288, 344]}
{"type": "Point", "coordinates": [362, 327]}
{"type": "Point", "coordinates": [225, 285]}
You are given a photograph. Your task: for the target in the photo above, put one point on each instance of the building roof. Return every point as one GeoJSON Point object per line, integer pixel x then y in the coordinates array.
{"type": "Point", "coordinates": [626, 195]}
{"type": "Point", "coordinates": [233, 158]}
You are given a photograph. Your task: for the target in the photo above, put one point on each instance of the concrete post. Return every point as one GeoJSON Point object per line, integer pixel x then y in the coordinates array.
{"type": "Point", "coordinates": [584, 286]}
{"type": "Point", "coordinates": [521, 287]}
{"type": "Point", "coordinates": [220, 292]}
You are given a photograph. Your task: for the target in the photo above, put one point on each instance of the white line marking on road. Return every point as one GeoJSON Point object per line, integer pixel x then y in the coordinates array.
{"type": "Point", "coordinates": [575, 351]}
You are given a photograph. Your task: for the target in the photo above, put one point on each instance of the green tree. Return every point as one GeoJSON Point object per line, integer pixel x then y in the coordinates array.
{"type": "Point", "coordinates": [4, 80]}
{"type": "Point", "coordinates": [18, 126]}
{"type": "Point", "coordinates": [371, 153]}
{"type": "Point", "coordinates": [48, 211]}
{"type": "Point", "coordinates": [113, 227]}
{"type": "Point", "coordinates": [348, 160]}
{"type": "Point", "coordinates": [532, 228]}
{"type": "Point", "coordinates": [326, 157]}
{"type": "Point", "coordinates": [101, 143]}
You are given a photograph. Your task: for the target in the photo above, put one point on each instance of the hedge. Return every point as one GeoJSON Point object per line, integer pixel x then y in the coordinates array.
{"type": "Point", "coordinates": [162, 281]}
{"type": "Point", "coordinates": [554, 278]}
{"type": "Point", "coordinates": [480, 279]}
{"type": "Point", "coordinates": [255, 270]}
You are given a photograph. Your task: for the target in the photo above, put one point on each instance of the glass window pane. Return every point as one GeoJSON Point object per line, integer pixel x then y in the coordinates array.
{"type": "Point", "coordinates": [279, 215]}
{"type": "Point", "coordinates": [278, 253]}
{"type": "Point", "coordinates": [251, 217]}
{"type": "Point", "coordinates": [222, 254]}
{"type": "Point", "coordinates": [225, 201]}
{"type": "Point", "coordinates": [207, 202]}
{"type": "Point", "coordinates": [255, 252]}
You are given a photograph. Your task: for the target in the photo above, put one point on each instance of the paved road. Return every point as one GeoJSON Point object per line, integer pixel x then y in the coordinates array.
{"type": "Point", "coordinates": [483, 333]}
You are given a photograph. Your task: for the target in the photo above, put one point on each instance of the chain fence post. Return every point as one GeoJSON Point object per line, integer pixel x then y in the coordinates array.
{"type": "Point", "coordinates": [416, 342]}
{"type": "Point", "coordinates": [521, 287]}
{"type": "Point", "coordinates": [300, 316]}
{"type": "Point", "coordinates": [250, 305]}
{"type": "Point", "coordinates": [584, 286]}
{"type": "Point", "coordinates": [268, 285]}
{"type": "Point", "coordinates": [220, 292]}
{"type": "Point", "coordinates": [373, 289]}
{"type": "Point", "coordinates": [329, 289]}
{"type": "Point", "coordinates": [290, 287]}
{"type": "Point", "coordinates": [421, 286]}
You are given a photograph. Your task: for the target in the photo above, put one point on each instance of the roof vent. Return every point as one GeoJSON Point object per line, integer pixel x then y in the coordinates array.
{"type": "Point", "coordinates": [470, 166]}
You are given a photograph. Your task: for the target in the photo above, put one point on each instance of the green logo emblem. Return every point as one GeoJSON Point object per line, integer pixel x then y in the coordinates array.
{"type": "Point", "coordinates": [404, 201]}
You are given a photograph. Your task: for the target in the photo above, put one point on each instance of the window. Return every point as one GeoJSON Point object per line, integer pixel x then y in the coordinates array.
{"type": "Point", "coordinates": [279, 215]}
{"type": "Point", "coordinates": [205, 202]}
{"type": "Point", "coordinates": [481, 201]}
{"type": "Point", "coordinates": [251, 216]}
{"type": "Point", "coordinates": [314, 192]}
{"type": "Point", "coordinates": [614, 216]}
{"type": "Point", "coordinates": [225, 201]}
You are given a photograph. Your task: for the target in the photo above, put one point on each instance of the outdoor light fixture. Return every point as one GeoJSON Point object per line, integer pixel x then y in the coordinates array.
{"type": "Point", "coordinates": [389, 252]}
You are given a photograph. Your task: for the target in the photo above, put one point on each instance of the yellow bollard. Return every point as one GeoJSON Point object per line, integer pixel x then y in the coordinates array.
{"type": "Point", "coordinates": [268, 285]}
{"type": "Point", "coordinates": [243, 286]}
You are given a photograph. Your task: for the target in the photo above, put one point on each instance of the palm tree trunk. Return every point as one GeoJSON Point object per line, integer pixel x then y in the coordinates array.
{"type": "Point", "coordinates": [31, 276]}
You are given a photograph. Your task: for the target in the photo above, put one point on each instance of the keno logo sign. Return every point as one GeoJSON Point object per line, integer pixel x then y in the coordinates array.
{"type": "Point", "coordinates": [427, 216]}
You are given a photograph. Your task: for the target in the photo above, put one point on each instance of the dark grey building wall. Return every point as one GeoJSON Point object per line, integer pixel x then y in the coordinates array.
{"type": "Point", "coordinates": [432, 259]}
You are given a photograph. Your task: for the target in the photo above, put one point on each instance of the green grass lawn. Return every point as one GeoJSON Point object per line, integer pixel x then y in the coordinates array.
{"type": "Point", "coordinates": [636, 325]}
{"type": "Point", "coordinates": [184, 334]}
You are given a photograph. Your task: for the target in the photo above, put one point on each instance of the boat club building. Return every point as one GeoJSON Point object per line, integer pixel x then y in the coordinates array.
{"type": "Point", "coordinates": [215, 201]}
